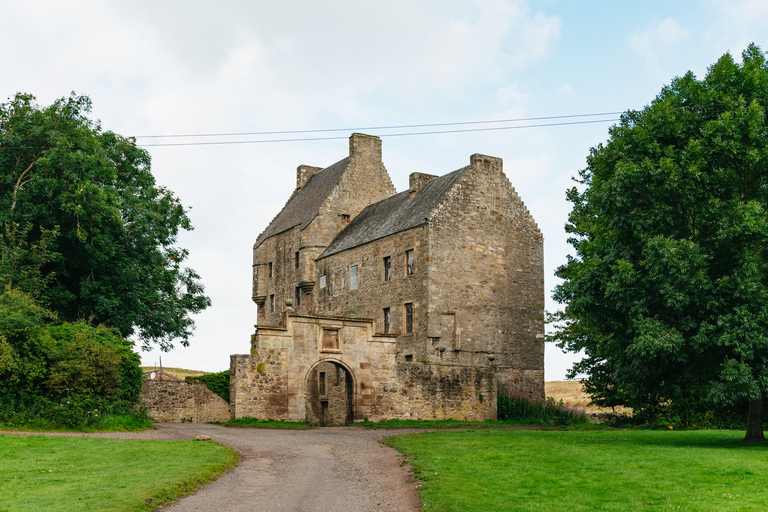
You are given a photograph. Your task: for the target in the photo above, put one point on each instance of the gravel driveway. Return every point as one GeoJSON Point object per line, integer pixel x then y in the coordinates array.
{"type": "Point", "coordinates": [341, 469]}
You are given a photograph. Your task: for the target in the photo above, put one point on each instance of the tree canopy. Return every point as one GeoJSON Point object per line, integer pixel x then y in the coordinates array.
{"type": "Point", "coordinates": [86, 230]}
{"type": "Point", "coordinates": [668, 291]}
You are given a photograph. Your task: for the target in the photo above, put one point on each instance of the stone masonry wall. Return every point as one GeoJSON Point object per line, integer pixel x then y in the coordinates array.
{"type": "Point", "coordinates": [485, 289]}
{"type": "Point", "coordinates": [181, 402]}
{"type": "Point", "coordinates": [273, 382]}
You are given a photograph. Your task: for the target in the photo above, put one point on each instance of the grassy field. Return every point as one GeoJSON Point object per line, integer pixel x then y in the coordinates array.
{"type": "Point", "coordinates": [43, 473]}
{"type": "Point", "coordinates": [572, 394]}
{"type": "Point", "coordinates": [510, 470]}
{"type": "Point", "coordinates": [179, 373]}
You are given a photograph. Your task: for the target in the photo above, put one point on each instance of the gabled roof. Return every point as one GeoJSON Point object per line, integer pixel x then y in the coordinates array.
{"type": "Point", "coordinates": [303, 206]}
{"type": "Point", "coordinates": [393, 214]}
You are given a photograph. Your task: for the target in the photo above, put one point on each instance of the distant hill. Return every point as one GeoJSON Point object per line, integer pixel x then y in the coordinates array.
{"type": "Point", "coordinates": [179, 373]}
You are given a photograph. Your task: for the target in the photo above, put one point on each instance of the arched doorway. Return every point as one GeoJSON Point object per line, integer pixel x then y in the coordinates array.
{"type": "Point", "coordinates": [329, 395]}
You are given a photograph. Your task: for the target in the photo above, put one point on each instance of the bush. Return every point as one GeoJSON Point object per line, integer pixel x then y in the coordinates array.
{"type": "Point", "coordinates": [63, 375]}
{"type": "Point", "coordinates": [514, 405]}
{"type": "Point", "coordinates": [216, 382]}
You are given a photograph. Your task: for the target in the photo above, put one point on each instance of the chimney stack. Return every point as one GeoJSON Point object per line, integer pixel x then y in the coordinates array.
{"type": "Point", "coordinates": [303, 173]}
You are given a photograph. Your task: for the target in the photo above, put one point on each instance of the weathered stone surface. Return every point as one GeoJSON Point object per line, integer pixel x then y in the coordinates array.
{"type": "Point", "coordinates": [423, 300]}
{"type": "Point", "coordinates": [180, 402]}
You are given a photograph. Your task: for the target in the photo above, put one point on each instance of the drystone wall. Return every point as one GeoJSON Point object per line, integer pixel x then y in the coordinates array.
{"type": "Point", "coordinates": [183, 402]}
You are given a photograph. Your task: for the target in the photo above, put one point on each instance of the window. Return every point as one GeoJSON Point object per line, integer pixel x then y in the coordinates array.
{"type": "Point", "coordinates": [408, 318]}
{"type": "Point", "coordinates": [409, 358]}
{"type": "Point", "coordinates": [297, 259]}
{"type": "Point", "coordinates": [409, 262]}
{"type": "Point", "coordinates": [344, 218]}
{"type": "Point", "coordinates": [330, 339]}
{"type": "Point", "coordinates": [322, 281]}
{"type": "Point", "coordinates": [354, 279]}
{"type": "Point", "coordinates": [272, 303]}
{"type": "Point", "coordinates": [270, 269]}
{"type": "Point", "coordinates": [321, 384]}
{"type": "Point", "coordinates": [387, 320]}
{"type": "Point", "coordinates": [297, 297]}
{"type": "Point", "coordinates": [387, 268]}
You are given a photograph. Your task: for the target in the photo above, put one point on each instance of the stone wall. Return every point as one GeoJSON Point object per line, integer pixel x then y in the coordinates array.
{"type": "Point", "coordinates": [281, 378]}
{"type": "Point", "coordinates": [485, 289]}
{"type": "Point", "coordinates": [182, 402]}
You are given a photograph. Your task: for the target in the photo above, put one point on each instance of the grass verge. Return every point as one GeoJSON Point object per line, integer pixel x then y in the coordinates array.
{"type": "Point", "coordinates": [43, 473]}
{"type": "Point", "coordinates": [506, 470]}
{"type": "Point", "coordinates": [256, 423]}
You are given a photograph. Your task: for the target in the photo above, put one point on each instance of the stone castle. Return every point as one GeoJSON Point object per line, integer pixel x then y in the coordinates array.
{"type": "Point", "coordinates": [381, 305]}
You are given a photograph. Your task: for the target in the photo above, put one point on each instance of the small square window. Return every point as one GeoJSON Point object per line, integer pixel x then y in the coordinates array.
{"type": "Point", "coordinates": [408, 318]}
{"type": "Point", "coordinates": [322, 281]}
{"type": "Point", "coordinates": [344, 218]}
{"type": "Point", "coordinates": [387, 320]}
{"type": "Point", "coordinates": [409, 358]}
{"type": "Point", "coordinates": [387, 268]}
{"type": "Point", "coordinates": [297, 297]}
{"type": "Point", "coordinates": [409, 263]}
{"type": "Point", "coordinates": [272, 303]}
{"type": "Point", "coordinates": [354, 278]}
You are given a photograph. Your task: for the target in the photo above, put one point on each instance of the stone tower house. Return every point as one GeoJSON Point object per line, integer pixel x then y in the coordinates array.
{"type": "Point", "coordinates": [379, 304]}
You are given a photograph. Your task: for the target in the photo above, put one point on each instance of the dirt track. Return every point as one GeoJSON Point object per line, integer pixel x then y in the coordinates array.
{"type": "Point", "coordinates": [339, 469]}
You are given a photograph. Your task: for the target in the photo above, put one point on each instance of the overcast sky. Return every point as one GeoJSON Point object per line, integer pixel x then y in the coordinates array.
{"type": "Point", "coordinates": [189, 67]}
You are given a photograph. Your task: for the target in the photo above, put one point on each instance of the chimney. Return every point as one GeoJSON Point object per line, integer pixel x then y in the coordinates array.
{"type": "Point", "coordinates": [364, 149]}
{"type": "Point", "coordinates": [416, 182]}
{"type": "Point", "coordinates": [303, 173]}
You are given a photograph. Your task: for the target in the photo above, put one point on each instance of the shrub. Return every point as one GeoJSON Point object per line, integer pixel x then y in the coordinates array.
{"type": "Point", "coordinates": [63, 375]}
{"type": "Point", "coordinates": [216, 382]}
{"type": "Point", "coordinates": [514, 405]}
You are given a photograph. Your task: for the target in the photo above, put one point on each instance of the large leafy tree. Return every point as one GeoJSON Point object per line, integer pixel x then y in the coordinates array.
{"type": "Point", "coordinates": [668, 291]}
{"type": "Point", "coordinates": [84, 202]}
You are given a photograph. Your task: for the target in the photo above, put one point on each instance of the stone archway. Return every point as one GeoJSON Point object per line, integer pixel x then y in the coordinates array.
{"type": "Point", "coordinates": [329, 395]}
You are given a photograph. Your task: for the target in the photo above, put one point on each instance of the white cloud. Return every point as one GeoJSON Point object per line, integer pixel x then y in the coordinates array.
{"type": "Point", "coordinates": [566, 90]}
{"type": "Point", "coordinates": [656, 41]}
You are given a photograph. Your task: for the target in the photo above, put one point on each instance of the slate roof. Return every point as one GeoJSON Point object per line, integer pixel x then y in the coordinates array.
{"type": "Point", "coordinates": [303, 206]}
{"type": "Point", "coordinates": [393, 214]}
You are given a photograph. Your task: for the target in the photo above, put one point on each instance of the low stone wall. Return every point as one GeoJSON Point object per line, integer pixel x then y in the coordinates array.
{"type": "Point", "coordinates": [181, 402]}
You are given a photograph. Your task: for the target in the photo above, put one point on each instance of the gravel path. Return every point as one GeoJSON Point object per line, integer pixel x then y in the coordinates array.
{"type": "Point", "coordinates": [322, 469]}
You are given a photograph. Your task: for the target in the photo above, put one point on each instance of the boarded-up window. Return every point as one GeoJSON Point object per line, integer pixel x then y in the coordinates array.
{"type": "Point", "coordinates": [330, 339]}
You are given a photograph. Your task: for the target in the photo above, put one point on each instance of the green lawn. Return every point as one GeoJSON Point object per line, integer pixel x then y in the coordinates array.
{"type": "Point", "coordinates": [507, 470]}
{"type": "Point", "coordinates": [40, 473]}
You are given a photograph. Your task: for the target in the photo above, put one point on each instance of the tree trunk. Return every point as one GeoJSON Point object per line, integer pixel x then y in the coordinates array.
{"type": "Point", "coordinates": [755, 421]}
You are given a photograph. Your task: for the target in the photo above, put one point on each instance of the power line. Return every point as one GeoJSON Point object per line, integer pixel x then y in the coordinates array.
{"type": "Point", "coordinates": [405, 134]}
{"type": "Point", "coordinates": [393, 127]}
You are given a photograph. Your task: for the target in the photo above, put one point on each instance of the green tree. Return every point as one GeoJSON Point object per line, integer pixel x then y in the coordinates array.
{"type": "Point", "coordinates": [109, 230]}
{"type": "Point", "coordinates": [667, 294]}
